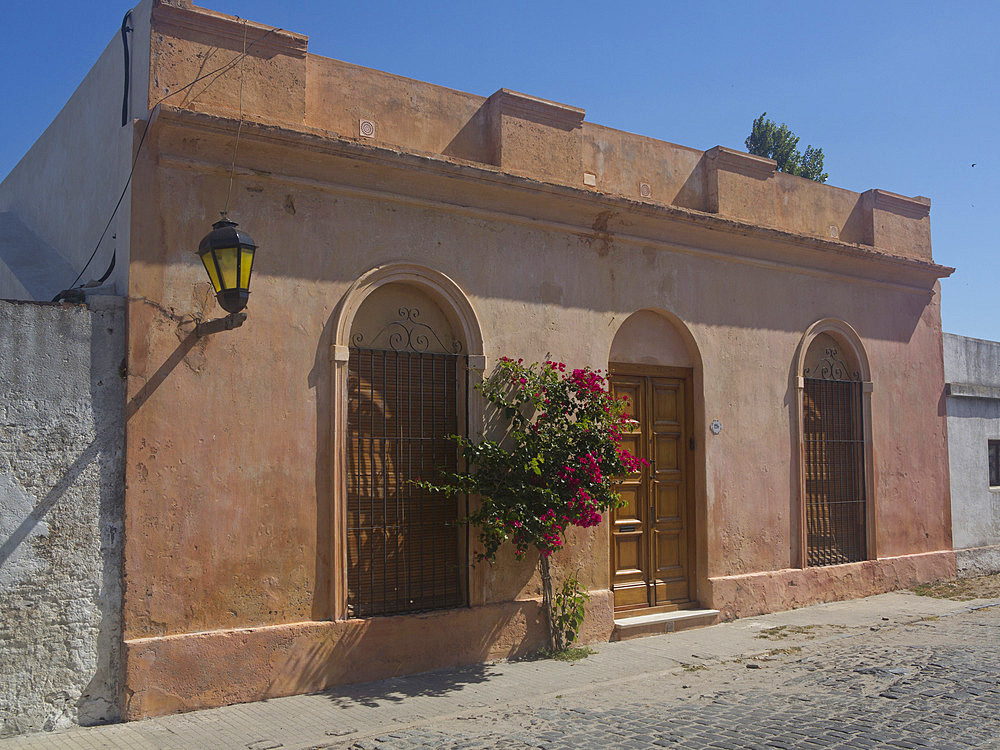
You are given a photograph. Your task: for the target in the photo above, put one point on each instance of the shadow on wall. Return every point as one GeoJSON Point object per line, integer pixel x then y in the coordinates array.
{"type": "Point", "coordinates": [60, 555]}
{"type": "Point", "coordinates": [320, 381]}
{"type": "Point", "coordinates": [52, 497]}
{"type": "Point", "coordinates": [790, 403]}
{"type": "Point", "coordinates": [162, 372]}
{"type": "Point", "coordinates": [471, 142]}
{"type": "Point", "coordinates": [99, 701]}
{"type": "Point", "coordinates": [693, 193]}
{"type": "Point", "coordinates": [363, 651]}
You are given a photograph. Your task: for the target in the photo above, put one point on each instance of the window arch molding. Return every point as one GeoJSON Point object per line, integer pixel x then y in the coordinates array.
{"type": "Point", "coordinates": [853, 347]}
{"type": "Point", "coordinates": [461, 314]}
{"type": "Point", "coordinates": [845, 335]}
{"type": "Point", "coordinates": [453, 301]}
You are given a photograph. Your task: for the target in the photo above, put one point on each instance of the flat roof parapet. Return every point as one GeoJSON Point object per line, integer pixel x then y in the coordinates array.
{"type": "Point", "coordinates": [521, 134]}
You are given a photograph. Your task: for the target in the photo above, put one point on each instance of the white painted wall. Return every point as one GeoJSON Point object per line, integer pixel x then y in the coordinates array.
{"type": "Point", "coordinates": [66, 186]}
{"type": "Point", "coordinates": [61, 499]}
{"type": "Point", "coordinates": [973, 420]}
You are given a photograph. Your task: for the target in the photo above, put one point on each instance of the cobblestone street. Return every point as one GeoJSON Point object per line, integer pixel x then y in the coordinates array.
{"type": "Point", "coordinates": [891, 671]}
{"type": "Point", "coordinates": [935, 683]}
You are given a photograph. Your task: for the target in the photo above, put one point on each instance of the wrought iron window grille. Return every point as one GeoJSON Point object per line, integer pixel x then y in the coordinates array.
{"type": "Point", "coordinates": [405, 548]}
{"type": "Point", "coordinates": [834, 454]}
{"type": "Point", "coordinates": [408, 334]}
{"type": "Point", "coordinates": [831, 367]}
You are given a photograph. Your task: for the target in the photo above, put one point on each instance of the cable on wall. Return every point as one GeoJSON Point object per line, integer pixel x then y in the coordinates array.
{"type": "Point", "coordinates": [126, 28]}
{"type": "Point", "coordinates": [72, 293]}
{"type": "Point", "coordinates": [239, 127]}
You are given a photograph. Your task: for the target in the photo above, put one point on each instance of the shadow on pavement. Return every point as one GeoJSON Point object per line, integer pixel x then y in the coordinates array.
{"type": "Point", "coordinates": [398, 689]}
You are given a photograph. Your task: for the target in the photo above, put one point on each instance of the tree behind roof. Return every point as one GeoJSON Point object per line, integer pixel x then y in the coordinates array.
{"type": "Point", "coordinates": [777, 142]}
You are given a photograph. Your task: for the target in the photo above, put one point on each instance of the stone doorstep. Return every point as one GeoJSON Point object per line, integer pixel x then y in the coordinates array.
{"type": "Point", "coordinates": [662, 622]}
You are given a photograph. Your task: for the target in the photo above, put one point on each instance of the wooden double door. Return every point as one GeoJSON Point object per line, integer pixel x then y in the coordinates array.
{"type": "Point", "coordinates": [652, 539]}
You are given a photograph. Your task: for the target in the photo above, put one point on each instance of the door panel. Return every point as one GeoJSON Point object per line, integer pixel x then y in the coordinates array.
{"type": "Point", "coordinates": [628, 524]}
{"type": "Point", "coordinates": [629, 512]}
{"type": "Point", "coordinates": [666, 401]}
{"type": "Point", "coordinates": [667, 458]}
{"type": "Point", "coordinates": [628, 553]}
{"type": "Point", "coordinates": [651, 534]}
{"type": "Point", "coordinates": [668, 503]}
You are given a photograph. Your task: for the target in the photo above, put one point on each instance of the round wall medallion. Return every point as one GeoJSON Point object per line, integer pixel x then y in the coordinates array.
{"type": "Point", "coordinates": [715, 427]}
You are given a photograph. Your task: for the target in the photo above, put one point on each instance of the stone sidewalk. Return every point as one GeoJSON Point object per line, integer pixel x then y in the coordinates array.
{"type": "Point", "coordinates": [882, 671]}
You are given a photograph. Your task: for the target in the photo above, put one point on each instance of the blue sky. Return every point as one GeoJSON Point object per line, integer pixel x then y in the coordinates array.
{"type": "Point", "coordinates": [902, 96]}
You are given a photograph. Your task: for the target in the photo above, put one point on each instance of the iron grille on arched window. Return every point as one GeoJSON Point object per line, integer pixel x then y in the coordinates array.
{"type": "Point", "coordinates": [403, 544]}
{"type": "Point", "coordinates": [834, 454]}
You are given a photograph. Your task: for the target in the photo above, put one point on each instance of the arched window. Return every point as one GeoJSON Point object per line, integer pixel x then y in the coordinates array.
{"type": "Point", "coordinates": [405, 393]}
{"type": "Point", "coordinates": [834, 390]}
{"type": "Point", "coordinates": [406, 345]}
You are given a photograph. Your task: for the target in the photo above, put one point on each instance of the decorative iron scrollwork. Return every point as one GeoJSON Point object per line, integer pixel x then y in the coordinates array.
{"type": "Point", "coordinates": [408, 334]}
{"type": "Point", "coordinates": [831, 367]}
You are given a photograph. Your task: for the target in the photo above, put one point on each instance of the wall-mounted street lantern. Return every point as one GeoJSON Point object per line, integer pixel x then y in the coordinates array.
{"type": "Point", "coordinates": [227, 254]}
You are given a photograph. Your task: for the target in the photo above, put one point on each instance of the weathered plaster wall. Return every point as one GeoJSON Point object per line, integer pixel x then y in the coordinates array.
{"type": "Point", "coordinates": [61, 503]}
{"type": "Point", "coordinates": [284, 85]}
{"type": "Point", "coordinates": [272, 74]}
{"type": "Point", "coordinates": [239, 549]}
{"type": "Point", "coordinates": [435, 119]}
{"type": "Point", "coordinates": [972, 369]}
{"type": "Point", "coordinates": [230, 666]}
{"type": "Point", "coordinates": [65, 188]}
{"type": "Point", "coordinates": [244, 542]}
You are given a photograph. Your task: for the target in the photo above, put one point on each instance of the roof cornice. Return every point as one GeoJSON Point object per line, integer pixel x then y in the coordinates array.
{"type": "Point", "coordinates": [623, 217]}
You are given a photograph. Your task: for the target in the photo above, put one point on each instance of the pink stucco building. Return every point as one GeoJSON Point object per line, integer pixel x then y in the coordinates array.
{"type": "Point", "coordinates": [780, 341]}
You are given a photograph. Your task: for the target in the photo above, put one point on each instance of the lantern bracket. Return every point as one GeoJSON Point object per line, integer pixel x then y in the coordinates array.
{"type": "Point", "coordinates": [228, 323]}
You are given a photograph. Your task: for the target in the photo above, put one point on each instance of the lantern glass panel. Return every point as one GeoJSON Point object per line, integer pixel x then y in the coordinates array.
{"type": "Point", "coordinates": [209, 260]}
{"type": "Point", "coordinates": [227, 257]}
{"type": "Point", "coordinates": [246, 263]}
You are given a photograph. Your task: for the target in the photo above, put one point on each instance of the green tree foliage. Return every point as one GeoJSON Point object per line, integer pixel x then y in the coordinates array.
{"type": "Point", "coordinates": [558, 465]}
{"type": "Point", "coordinates": [779, 143]}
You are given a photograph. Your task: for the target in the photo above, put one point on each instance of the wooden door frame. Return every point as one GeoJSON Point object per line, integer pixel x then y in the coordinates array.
{"type": "Point", "coordinates": [686, 375]}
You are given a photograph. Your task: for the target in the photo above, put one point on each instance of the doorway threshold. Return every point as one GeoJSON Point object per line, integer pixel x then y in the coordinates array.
{"type": "Point", "coordinates": [639, 623]}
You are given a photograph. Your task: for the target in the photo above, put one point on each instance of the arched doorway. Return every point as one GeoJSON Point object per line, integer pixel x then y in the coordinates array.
{"type": "Point", "coordinates": [653, 540]}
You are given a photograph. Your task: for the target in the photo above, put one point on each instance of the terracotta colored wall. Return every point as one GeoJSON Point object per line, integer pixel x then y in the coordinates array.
{"type": "Point", "coordinates": [229, 463]}
{"type": "Point", "coordinates": [407, 114]}
{"type": "Point", "coordinates": [622, 161]}
{"type": "Point", "coordinates": [190, 43]}
{"type": "Point", "coordinates": [246, 542]}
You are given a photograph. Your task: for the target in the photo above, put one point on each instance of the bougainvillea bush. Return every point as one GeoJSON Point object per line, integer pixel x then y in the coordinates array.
{"type": "Point", "coordinates": [557, 465]}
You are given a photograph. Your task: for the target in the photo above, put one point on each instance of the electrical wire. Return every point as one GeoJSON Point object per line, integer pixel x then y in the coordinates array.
{"type": "Point", "coordinates": [218, 72]}
{"type": "Point", "coordinates": [239, 127]}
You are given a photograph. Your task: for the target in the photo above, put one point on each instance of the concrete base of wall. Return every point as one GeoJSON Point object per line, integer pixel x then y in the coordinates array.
{"type": "Point", "coordinates": [175, 673]}
{"type": "Point", "coordinates": [778, 590]}
{"type": "Point", "coordinates": [978, 561]}
{"type": "Point", "coordinates": [178, 673]}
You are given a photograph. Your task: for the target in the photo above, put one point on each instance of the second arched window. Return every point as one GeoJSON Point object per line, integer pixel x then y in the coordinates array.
{"type": "Point", "coordinates": [834, 456]}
